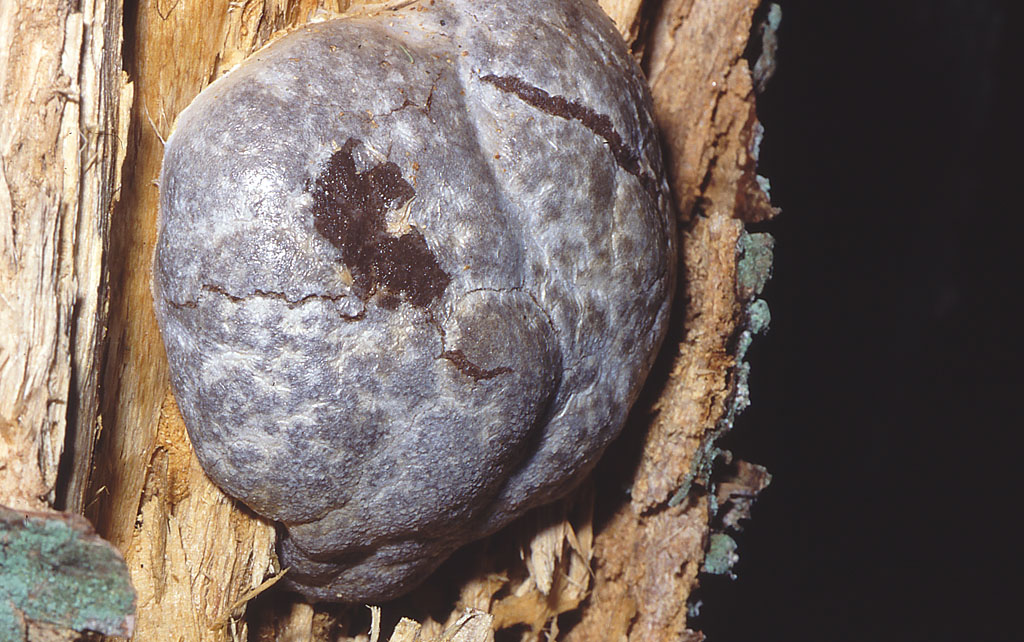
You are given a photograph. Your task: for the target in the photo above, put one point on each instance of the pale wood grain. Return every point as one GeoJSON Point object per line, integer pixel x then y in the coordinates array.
{"type": "Point", "coordinates": [40, 44]}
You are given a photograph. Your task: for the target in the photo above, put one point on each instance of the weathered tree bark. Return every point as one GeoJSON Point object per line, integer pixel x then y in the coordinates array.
{"type": "Point", "coordinates": [41, 109]}
{"type": "Point", "coordinates": [80, 151]}
{"type": "Point", "coordinates": [61, 149]}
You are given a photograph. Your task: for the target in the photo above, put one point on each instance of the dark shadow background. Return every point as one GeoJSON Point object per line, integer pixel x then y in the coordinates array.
{"type": "Point", "coordinates": [886, 396]}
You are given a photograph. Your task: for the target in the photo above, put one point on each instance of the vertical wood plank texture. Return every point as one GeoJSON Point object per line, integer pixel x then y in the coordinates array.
{"type": "Point", "coordinates": [40, 44]}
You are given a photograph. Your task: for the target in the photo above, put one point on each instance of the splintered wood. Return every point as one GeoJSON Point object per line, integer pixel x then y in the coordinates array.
{"type": "Point", "coordinates": [190, 536]}
{"type": "Point", "coordinates": [40, 49]}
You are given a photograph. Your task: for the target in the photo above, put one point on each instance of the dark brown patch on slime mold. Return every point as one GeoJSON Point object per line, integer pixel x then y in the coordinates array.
{"type": "Point", "coordinates": [349, 208]}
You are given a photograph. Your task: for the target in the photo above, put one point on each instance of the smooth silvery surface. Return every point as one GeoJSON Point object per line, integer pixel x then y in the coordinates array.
{"type": "Point", "coordinates": [412, 269]}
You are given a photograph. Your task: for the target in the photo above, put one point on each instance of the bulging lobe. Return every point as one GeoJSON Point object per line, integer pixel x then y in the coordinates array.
{"type": "Point", "coordinates": [411, 270]}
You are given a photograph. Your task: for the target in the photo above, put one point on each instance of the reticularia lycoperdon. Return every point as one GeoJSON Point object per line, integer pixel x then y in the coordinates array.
{"type": "Point", "coordinates": [412, 270]}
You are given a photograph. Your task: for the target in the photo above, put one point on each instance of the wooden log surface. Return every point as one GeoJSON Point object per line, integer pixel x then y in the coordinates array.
{"type": "Point", "coordinates": [80, 151]}
{"type": "Point", "coordinates": [38, 181]}
{"type": "Point", "coordinates": [61, 148]}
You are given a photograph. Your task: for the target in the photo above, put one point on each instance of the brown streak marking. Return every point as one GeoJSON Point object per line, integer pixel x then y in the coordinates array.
{"type": "Point", "coordinates": [470, 369]}
{"type": "Point", "coordinates": [561, 106]}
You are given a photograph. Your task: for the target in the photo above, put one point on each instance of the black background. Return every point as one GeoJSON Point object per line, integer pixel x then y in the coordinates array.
{"type": "Point", "coordinates": [886, 395]}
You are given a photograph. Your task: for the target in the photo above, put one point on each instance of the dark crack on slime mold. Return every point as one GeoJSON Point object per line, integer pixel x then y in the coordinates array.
{"type": "Point", "coordinates": [459, 359]}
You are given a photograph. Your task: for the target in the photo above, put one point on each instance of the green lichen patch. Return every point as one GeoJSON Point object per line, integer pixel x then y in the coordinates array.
{"type": "Point", "coordinates": [721, 555]}
{"type": "Point", "coordinates": [54, 569]}
{"type": "Point", "coordinates": [754, 267]}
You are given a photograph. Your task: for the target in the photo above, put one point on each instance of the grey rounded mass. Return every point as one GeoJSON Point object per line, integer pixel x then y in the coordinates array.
{"type": "Point", "coordinates": [412, 269]}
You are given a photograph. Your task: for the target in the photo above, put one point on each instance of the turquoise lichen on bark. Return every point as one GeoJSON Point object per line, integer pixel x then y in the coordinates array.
{"type": "Point", "coordinates": [721, 555]}
{"type": "Point", "coordinates": [754, 267]}
{"type": "Point", "coordinates": [55, 571]}
{"type": "Point", "coordinates": [755, 253]}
